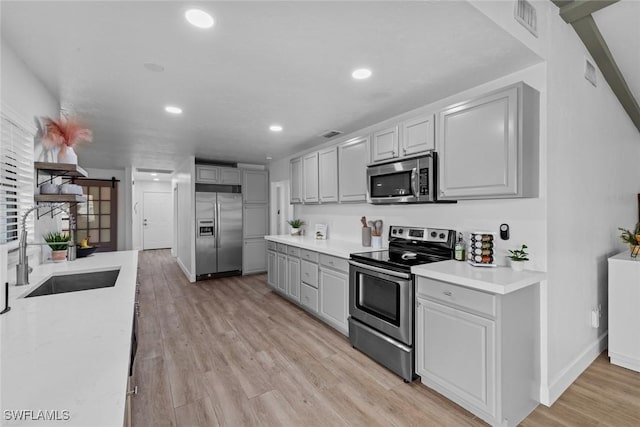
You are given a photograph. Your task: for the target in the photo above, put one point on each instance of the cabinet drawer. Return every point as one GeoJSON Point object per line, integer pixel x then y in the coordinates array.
{"type": "Point", "coordinates": [449, 294]}
{"type": "Point", "coordinates": [309, 255]}
{"type": "Point", "coordinates": [334, 262]}
{"type": "Point", "coordinates": [309, 273]}
{"type": "Point", "coordinates": [309, 297]}
{"type": "Point", "coordinates": [293, 251]}
{"type": "Point", "coordinates": [282, 248]}
{"type": "Point", "coordinates": [272, 246]}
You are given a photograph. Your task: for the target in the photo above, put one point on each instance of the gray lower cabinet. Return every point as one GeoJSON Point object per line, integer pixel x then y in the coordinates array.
{"type": "Point", "coordinates": [479, 349]}
{"type": "Point", "coordinates": [255, 221]}
{"type": "Point", "coordinates": [317, 282]}
{"type": "Point", "coordinates": [488, 146]}
{"type": "Point", "coordinates": [282, 273]}
{"type": "Point", "coordinates": [272, 269]}
{"type": "Point", "coordinates": [333, 298]}
{"type": "Point", "coordinates": [293, 279]}
{"type": "Point", "coordinates": [253, 256]}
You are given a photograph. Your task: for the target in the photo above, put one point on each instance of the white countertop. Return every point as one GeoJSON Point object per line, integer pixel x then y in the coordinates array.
{"type": "Point", "coordinates": [339, 248]}
{"type": "Point", "coordinates": [625, 256]}
{"type": "Point", "coordinates": [497, 280]}
{"type": "Point", "coordinates": [70, 351]}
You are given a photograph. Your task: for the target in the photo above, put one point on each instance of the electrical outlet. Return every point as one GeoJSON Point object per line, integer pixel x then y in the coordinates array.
{"type": "Point", "coordinates": [596, 314]}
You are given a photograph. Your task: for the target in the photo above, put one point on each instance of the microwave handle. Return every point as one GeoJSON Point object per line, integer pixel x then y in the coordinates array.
{"type": "Point", "coordinates": [414, 182]}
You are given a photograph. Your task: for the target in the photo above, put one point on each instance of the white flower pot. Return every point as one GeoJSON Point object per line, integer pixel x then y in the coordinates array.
{"type": "Point", "coordinates": [295, 231]}
{"type": "Point", "coordinates": [517, 265]}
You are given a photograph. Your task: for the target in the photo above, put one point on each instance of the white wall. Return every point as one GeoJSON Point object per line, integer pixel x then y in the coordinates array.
{"type": "Point", "coordinates": [22, 97]}
{"type": "Point", "coordinates": [140, 187]}
{"type": "Point", "coordinates": [526, 217]}
{"type": "Point", "coordinates": [124, 193]}
{"type": "Point", "coordinates": [593, 182]}
{"type": "Point", "coordinates": [594, 150]}
{"type": "Point", "coordinates": [185, 221]}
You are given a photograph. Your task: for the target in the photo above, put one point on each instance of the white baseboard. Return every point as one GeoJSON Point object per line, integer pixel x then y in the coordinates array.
{"type": "Point", "coordinates": [191, 277]}
{"type": "Point", "coordinates": [571, 372]}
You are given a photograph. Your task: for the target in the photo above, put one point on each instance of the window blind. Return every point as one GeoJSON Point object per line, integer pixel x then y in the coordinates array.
{"type": "Point", "coordinates": [16, 178]}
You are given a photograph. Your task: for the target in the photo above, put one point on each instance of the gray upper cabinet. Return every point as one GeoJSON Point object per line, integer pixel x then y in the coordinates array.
{"type": "Point", "coordinates": [417, 135]}
{"type": "Point", "coordinates": [352, 173]}
{"type": "Point", "coordinates": [310, 188]}
{"type": "Point", "coordinates": [488, 146]}
{"type": "Point", "coordinates": [384, 144]}
{"type": "Point", "coordinates": [255, 186]}
{"type": "Point", "coordinates": [328, 174]}
{"type": "Point", "coordinates": [230, 176]}
{"type": "Point", "coordinates": [207, 174]}
{"type": "Point", "coordinates": [295, 177]}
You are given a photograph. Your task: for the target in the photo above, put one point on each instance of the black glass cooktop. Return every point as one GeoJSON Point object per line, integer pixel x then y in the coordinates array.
{"type": "Point", "coordinates": [398, 260]}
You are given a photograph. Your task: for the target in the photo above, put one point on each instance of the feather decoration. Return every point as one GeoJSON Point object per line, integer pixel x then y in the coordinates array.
{"type": "Point", "coordinates": [64, 133]}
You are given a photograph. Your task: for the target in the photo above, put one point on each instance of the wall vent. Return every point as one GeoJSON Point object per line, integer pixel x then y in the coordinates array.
{"type": "Point", "coordinates": [590, 72]}
{"type": "Point", "coordinates": [527, 16]}
{"type": "Point", "coordinates": [330, 134]}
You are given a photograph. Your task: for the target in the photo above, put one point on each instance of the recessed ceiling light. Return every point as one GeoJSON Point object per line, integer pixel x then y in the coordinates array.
{"type": "Point", "coordinates": [156, 179]}
{"type": "Point", "coordinates": [275, 128]}
{"type": "Point", "coordinates": [361, 73]}
{"type": "Point", "coordinates": [199, 18]}
{"type": "Point", "coordinates": [154, 174]}
{"type": "Point", "coordinates": [269, 158]}
{"type": "Point", "coordinates": [173, 110]}
{"type": "Point", "coordinates": [151, 66]}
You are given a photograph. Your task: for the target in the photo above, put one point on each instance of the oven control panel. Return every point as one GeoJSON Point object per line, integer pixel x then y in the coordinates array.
{"type": "Point", "coordinates": [438, 235]}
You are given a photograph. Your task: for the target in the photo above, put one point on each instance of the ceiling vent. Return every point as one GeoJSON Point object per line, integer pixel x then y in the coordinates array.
{"type": "Point", "coordinates": [590, 72]}
{"type": "Point", "coordinates": [526, 15]}
{"type": "Point", "coordinates": [330, 134]}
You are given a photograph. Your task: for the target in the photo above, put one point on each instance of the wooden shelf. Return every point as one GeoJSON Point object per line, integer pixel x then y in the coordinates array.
{"type": "Point", "coordinates": [60, 198]}
{"type": "Point", "coordinates": [68, 170]}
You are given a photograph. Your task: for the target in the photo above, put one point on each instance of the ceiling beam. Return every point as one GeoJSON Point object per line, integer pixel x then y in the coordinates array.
{"type": "Point", "coordinates": [578, 14]}
{"type": "Point", "coordinates": [576, 10]}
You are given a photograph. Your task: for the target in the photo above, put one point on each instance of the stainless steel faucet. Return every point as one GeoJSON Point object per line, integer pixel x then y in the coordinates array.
{"type": "Point", "coordinates": [23, 269]}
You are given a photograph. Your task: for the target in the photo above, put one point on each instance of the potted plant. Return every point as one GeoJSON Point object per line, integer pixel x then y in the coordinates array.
{"type": "Point", "coordinates": [518, 258]}
{"type": "Point", "coordinates": [632, 238]}
{"type": "Point", "coordinates": [295, 224]}
{"type": "Point", "coordinates": [58, 242]}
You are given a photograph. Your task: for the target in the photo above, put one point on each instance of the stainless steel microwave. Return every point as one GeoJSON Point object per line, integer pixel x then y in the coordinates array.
{"type": "Point", "coordinates": [402, 181]}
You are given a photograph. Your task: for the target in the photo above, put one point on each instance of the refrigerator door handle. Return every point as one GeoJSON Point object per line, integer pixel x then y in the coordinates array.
{"type": "Point", "coordinates": [217, 225]}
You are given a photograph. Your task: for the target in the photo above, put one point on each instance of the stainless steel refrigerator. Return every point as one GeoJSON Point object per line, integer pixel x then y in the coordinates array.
{"type": "Point", "coordinates": [218, 233]}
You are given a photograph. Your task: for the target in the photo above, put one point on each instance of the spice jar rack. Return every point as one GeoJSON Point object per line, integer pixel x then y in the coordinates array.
{"type": "Point", "coordinates": [480, 250]}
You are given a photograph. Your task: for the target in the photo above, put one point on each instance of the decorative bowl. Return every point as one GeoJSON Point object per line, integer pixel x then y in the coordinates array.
{"type": "Point", "coordinates": [84, 252]}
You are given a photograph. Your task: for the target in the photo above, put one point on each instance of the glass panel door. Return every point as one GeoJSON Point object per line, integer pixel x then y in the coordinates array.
{"type": "Point", "coordinates": [97, 218]}
{"type": "Point", "coordinates": [378, 297]}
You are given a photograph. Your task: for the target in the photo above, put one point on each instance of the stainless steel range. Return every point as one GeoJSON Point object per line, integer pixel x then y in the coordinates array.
{"type": "Point", "coordinates": [381, 294]}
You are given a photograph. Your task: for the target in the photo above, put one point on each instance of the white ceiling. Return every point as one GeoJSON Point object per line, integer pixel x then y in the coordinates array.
{"type": "Point", "coordinates": [263, 62]}
{"type": "Point", "coordinates": [619, 24]}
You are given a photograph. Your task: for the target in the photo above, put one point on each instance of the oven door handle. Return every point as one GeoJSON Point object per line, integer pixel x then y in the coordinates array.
{"type": "Point", "coordinates": [380, 270]}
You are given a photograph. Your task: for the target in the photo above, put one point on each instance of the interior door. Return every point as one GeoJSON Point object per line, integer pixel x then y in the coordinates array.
{"type": "Point", "coordinates": [229, 207]}
{"type": "Point", "coordinates": [157, 222]}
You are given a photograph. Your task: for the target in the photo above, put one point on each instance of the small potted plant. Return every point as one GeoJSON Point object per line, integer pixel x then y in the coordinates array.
{"type": "Point", "coordinates": [58, 242]}
{"type": "Point", "coordinates": [518, 258]}
{"type": "Point", "coordinates": [295, 224]}
{"type": "Point", "coordinates": [632, 238]}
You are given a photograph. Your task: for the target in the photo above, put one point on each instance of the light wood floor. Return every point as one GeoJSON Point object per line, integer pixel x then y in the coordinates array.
{"type": "Point", "coordinates": [230, 352]}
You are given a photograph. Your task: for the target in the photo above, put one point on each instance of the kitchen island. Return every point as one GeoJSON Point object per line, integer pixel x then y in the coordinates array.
{"type": "Point", "coordinates": [66, 356]}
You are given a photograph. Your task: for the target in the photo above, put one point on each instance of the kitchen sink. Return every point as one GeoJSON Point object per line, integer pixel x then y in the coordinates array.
{"type": "Point", "coordinates": [76, 282]}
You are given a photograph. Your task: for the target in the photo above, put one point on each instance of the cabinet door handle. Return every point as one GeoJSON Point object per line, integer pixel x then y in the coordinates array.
{"type": "Point", "coordinates": [404, 150]}
{"type": "Point", "coordinates": [447, 293]}
{"type": "Point", "coordinates": [133, 392]}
